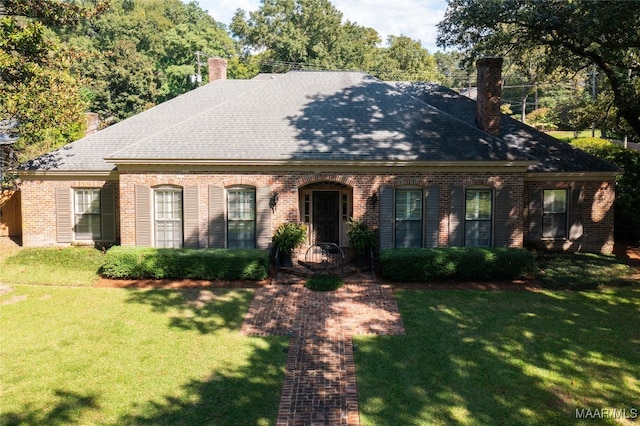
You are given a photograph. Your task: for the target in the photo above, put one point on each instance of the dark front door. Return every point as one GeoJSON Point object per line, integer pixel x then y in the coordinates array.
{"type": "Point", "coordinates": [326, 217]}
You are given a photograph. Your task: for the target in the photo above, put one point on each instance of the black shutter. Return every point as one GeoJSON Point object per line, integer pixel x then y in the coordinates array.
{"type": "Point", "coordinates": [263, 217]}
{"type": "Point", "coordinates": [432, 216]}
{"type": "Point", "coordinates": [502, 224]}
{"type": "Point", "coordinates": [386, 217]}
{"type": "Point", "coordinates": [456, 217]}
{"type": "Point", "coordinates": [191, 219]}
{"type": "Point", "coordinates": [535, 215]}
{"type": "Point", "coordinates": [217, 234]}
{"type": "Point", "coordinates": [108, 214]}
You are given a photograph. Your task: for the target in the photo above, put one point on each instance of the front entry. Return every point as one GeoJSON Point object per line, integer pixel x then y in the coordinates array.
{"type": "Point", "coordinates": [326, 217]}
{"type": "Point", "coordinates": [325, 207]}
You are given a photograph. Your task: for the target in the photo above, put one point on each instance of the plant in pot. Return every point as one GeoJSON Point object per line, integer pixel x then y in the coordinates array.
{"type": "Point", "coordinates": [361, 240]}
{"type": "Point", "coordinates": [287, 237]}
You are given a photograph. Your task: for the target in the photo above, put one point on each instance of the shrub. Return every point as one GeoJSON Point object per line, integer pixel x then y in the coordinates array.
{"type": "Point", "coordinates": [206, 264]}
{"type": "Point", "coordinates": [361, 238]}
{"type": "Point", "coordinates": [324, 283]}
{"type": "Point", "coordinates": [439, 264]}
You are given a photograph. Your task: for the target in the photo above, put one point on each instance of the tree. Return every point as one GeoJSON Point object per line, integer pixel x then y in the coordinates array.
{"type": "Point", "coordinates": [141, 53]}
{"type": "Point", "coordinates": [36, 86]}
{"type": "Point", "coordinates": [570, 34]}
{"type": "Point", "coordinates": [406, 59]}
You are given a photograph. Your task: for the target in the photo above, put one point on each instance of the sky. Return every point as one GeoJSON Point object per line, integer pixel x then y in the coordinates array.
{"type": "Point", "coordinates": [413, 18]}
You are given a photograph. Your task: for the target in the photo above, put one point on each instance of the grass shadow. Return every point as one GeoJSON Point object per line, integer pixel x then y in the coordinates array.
{"type": "Point", "coordinates": [67, 409]}
{"type": "Point", "coordinates": [501, 358]}
{"type": "Point", "coordinates": [195, 308]}
{"type": "Point", "coordinates": [245, 395]}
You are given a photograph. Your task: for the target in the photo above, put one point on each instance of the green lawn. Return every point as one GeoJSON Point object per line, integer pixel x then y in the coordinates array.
{"type": "Point", "coordinates": [72, 266]}
{"type": "Point", "coordinates": [483, 358]}
{"type": "Point", "coordinates": [569, 135]}
{"type": "Point", "coordinates": [116, 356]}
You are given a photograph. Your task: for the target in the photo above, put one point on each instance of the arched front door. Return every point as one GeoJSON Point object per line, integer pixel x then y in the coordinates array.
{"type": "Point", "coordinates": [325, 208]}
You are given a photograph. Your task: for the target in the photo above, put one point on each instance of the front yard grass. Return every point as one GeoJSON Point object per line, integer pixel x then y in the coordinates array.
{"type": "Point", "coordinates": [115, 356]}
{"type": "Point", "coordinates": [70, 266]}
{"type": "Point", "coordinates": [480, 358]}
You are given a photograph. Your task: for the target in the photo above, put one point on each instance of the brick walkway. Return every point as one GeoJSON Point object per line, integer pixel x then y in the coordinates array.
{"type": "Point", "coordinates": [320, 377]}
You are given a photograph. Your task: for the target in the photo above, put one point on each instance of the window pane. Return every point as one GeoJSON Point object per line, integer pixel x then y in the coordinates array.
{"type": "Point", "coordinates": [478, 204]}
{"type": "Point", "coordinates": [554, 225]}
{"type": "Point", "coordinates": [409, 204]}
{"type": "Point", "coordinates": [409, 233]}
{"type": "Point", "coordinates": [477, 233]}
{"type": "Point", "coordinates": [408, 221]}
{"type": "Point", "coordinates": [168, 218]}
{"type": "Point", "coordinates": [241, 213]}
{"type": "Point", "coordinates": [87, 213]}
{"type": "Point", "coordinates": [555, 201]}
{"type": "Point", "coordinates": [241, 234]}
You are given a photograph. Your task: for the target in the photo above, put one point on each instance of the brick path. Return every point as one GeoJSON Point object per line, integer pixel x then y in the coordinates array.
{"type": "Point", "coordinates": [320, 377]}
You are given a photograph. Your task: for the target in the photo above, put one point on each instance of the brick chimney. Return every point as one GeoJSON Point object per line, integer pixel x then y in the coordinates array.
{"type": "Point", "coordinates": [217, 69]}
{"type": "Point", "coordinates": [489, 94]}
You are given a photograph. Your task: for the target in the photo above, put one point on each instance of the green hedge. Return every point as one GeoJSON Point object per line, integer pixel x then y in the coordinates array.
{"type": "Point", "coordinates": [205, 264]}
{"type": "Point", "coordinates": [440, 264]}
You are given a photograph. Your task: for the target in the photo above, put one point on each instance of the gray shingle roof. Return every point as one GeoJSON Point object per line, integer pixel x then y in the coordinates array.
{"type": "Point", "coordinates": [552, 154]}
{"type": "Point", "coordinates": [298, 116]}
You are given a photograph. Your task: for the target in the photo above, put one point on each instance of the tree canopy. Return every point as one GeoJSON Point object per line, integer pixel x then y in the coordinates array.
{"type": "Point", "coordinates": [571, 35]}
{"type": "Point", "coordinates": [37, 87]}
{"type": "Point", "coordinates": [311, 33]}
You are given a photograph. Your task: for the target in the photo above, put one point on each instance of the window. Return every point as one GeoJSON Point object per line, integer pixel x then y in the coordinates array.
{"type": "Point", "coordinates": [408, 218]}
{"type": "Point", "coordinates": [87, 214]}
{"type": "Point", "coordinates": [241, 214]}
{"type": "Point", "coordinates": [168, 217]}
{"type": "Point", "coordinates": [478, 210]}
{"type": "Point", "coordinates": [554, 213]}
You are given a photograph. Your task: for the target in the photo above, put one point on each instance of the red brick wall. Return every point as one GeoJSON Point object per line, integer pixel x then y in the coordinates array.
{"type": "Point", "coordinates": [39, 208]}
{"type": "Point", "coordinates": [39, 219]}
{"type": "Point", "coordinates": [364, 185]}
{"type": "Point", "coordinates": [597, 216]}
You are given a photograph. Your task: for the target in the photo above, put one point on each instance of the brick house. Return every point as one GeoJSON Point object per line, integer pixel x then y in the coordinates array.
{"type": "Point", "coordinates": [225, 164]}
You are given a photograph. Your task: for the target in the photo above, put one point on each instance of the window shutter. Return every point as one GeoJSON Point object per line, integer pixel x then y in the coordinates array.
{"type": "Point", "coordinates": [576, 206]}
{"type": "Point", "coordinates": [502, 225]}
{"type": "Point", "coordinates": [108, 214]}
{"type": "Point", "coordinates": [535, 214]}
{"type": "Point", "coordinates": [191, 222]}
{"type": "Point", "coordinates": [63, 215]}
{"type": "Point", "coordinates": [143, 215]}
{"type": "Point", "coordinates": [263, 217]}
{"type": "Point", "coordinates": [432, 216]}
{"type": "Point", "coordinates": [456, 217]}
{"type": "Point", "coordinates": [217, 237]}
{"type": "Point", "coordinates": [386, 217]}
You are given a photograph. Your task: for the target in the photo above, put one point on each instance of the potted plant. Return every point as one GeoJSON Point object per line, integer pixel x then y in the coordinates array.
{"type": "Point", "coordinates": [287, 237]}
{"type": "Point", "coordinates": [361, 240]}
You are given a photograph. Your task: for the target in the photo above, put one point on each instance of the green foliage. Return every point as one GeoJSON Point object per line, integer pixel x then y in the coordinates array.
{"type": "Point", "coordinates": [361, 238]}
{"type": "Point", "coordinates": [581, 271]}
{"type": "Point", "coordinates": [627, 206]}
{"type": "Point", "coordinates": [138, 54]}
{"type": "Point", "coordinates": [440, 264]}
{"type": "Point", "coordinates": [541, 119]}
{"type": "Point", "coordinates": [568, 35]}
{"type": "Point", "coordinates": [206, 264]}
{"type": "Point", "coordinates": [36, 85]}
{"type": "Point", "coordinates": [324, 282]}
{"type": "Point", "coordinates": [288, 236]}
